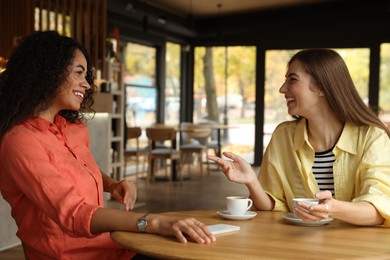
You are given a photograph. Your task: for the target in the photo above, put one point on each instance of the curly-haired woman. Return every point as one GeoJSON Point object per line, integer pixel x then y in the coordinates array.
{"type": "Point", "coordinates": [47, 173]}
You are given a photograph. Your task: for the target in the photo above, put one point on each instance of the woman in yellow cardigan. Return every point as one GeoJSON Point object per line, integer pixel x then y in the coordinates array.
{"type": "Point", "coordinates": [337, 150]}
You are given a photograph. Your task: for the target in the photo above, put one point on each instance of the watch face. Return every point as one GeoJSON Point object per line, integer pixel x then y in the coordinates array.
{"type": "Point", "coordinates": [141, 224]}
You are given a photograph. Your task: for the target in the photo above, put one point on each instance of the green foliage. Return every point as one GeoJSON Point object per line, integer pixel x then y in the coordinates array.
{"type": "Point", "coordinates": [140, 60]}
{"type": "Point", "coordinates": [241, 69]}
{"type": "Point", "coordinates": [384, 92]}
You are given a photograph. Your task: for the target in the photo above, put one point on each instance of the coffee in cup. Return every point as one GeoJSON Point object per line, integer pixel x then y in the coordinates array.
{"type": "Point", "coordinates": [238, 205]}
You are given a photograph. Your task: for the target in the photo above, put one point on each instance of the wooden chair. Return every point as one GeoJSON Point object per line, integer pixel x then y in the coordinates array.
{"type": "Point", "coordinates": [201, 134]}
{"type": "Point", "coordinates": [134, 151]}
{"type": "Point", "coordinates": [213, 142]}
{"type": "Point", "coordinates": [168, 153]}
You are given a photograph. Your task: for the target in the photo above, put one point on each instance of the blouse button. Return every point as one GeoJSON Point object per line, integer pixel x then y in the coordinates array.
{"type": "Point", "coordinates": [56, 133]}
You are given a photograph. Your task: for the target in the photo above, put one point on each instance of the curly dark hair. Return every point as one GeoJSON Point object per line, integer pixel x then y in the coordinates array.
{"type": "Point", "coordinates": [33, 77]}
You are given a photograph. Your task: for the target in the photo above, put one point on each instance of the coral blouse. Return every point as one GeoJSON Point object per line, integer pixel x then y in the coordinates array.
{"type": "Point", "coordinates": [53, 184]}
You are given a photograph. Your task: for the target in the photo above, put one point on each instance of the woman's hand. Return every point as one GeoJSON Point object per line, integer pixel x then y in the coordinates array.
{"type": "Point", "coordinates": [316, 212]}
{"type": "Point", "coordinates": [236, 169]}
{"type": "Point", "coordinates": [357, 213]}
{"type": "Point", "coordinates": [125, 192]}
{"type": "Point", "coordinates": [183, 229]}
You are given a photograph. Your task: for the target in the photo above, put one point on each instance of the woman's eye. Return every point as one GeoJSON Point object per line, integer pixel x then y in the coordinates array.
{"type": "Point", "coordinates": [79, 73]}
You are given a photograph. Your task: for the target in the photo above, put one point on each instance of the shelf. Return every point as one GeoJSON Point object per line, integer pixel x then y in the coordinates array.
{"type": "Point", "coordinates": [116, 164]}
{"type": "Point", "coordinates": [116, 116]}
{"type": "Point", "coordinates": [116, 92]}
{"type": "Point", "coordinates": [116, 139]}
{"type": "Point", "coordinates": [107, 128]}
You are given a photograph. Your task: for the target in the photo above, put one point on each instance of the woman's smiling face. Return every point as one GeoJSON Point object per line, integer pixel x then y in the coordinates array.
{"type": "Point", "coordinates": [72, 91]}
{"type": "Point", "coordinates": [302, 96]}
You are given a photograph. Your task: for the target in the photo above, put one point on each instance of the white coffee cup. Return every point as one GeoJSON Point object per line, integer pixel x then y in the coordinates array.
{"type": "Point", "coordinates": [310, 201]}
{"type": "Point", "coordinates": [238, 205]}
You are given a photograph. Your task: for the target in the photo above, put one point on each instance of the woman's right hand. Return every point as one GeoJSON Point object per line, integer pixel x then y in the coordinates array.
{"type": "Point", "coordinates": [236, 169]}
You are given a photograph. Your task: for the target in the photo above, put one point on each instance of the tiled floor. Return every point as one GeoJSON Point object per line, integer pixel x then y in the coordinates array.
{"type": "Point", "coordinates": [197, 192]}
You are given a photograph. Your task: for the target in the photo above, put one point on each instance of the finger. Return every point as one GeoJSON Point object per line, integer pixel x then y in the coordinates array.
{"type": "Point", "coordinates": [203, 231]}
{"type": "Point", "coordinates": [181, 237]}
{"type": "Point", "coordinates": [232, 156]}
{"type": "Point", "coordinates": [322, 195]}
{"type": "Point", "coordinates": [192, 228]}
{"type": "Point", "coordinates": [117, 196]}
{"type": "Point", "coordinates": [129, 191]}
{"type": "Point", "coordinates": [196, 234]}
{"type": "Point", "coordinates": [212, 157]}
{"type": "Point", "coordinates": [310, 208]}
{"type": "Point", "coordinates": [129, 196]}
{"type": "Point", "coordinates": [208, 233]}
{"type": "Point", "coordinates": [217, 160]}
{"type": "Point", "coordinates": [326, 207]}
{"type": "Point", "coordinates": [129, 205]}
{"type": "Point", "coordinates": [305, 215]}
{"type": "Point", "coordinates": [313, 212]}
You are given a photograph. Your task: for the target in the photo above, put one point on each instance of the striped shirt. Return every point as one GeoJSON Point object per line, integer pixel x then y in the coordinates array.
{"type": "Point", "coordinates": [323, 170]}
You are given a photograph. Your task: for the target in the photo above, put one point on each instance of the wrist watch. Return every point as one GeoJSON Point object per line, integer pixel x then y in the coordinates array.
{"type": "Point", "coordinates": [142, 223]}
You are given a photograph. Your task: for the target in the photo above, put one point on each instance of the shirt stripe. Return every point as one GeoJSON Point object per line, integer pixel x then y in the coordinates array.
{"type": "Point", "coordinates": [323, 170]}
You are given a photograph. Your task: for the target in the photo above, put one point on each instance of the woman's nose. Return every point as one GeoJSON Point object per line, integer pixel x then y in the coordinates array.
{"type": "Point", "coordinates": [283, 88]}
{"type": "Point", "coordinates": [85, 84]}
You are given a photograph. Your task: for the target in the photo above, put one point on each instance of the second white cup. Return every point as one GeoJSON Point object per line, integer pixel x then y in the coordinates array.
{"type": "Point", "coordinates": [238, 205]}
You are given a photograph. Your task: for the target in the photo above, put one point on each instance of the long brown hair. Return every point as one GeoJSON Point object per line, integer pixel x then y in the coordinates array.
{"type": "Point", "coordinates": [331, 74]}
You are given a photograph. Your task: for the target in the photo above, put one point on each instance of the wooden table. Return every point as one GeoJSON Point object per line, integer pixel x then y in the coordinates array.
{"type": "Point", "coordinates": [267, 236]}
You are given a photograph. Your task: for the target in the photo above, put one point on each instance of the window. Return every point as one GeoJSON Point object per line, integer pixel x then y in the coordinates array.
{"type": "Point", "coordinates": [224, 91]}
{"type": "Point", "coordinates": [384, 84]}
{"type": "Point", "coordinates": [139, 80]}
{"type": "Point", "coordinates": [172, 84]}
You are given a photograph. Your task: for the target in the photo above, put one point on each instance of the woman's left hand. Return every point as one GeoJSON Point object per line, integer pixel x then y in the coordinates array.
{"type": "Point", "coordinates": [183, 229]}
{"type": "Point", "coordinates": [311, 213]}
{"type": "Point", "coordinates": [125, 192]}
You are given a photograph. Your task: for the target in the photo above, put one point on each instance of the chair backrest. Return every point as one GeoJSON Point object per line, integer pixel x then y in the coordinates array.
{"type": "Point", "coordinates": [133, 132]}
{"type": "Point", "coordinates": [214, 132]}
{"type": "Point", "coordinates": [201, 133]}
{"type": "Point", "coordinates": [160, 134]}
{"type": "Point", "coordinates": [132, 135]}
{"type": "Point", "coordinates": [159, 125]}
{"type": "Point", "coordinates": [184, 137]}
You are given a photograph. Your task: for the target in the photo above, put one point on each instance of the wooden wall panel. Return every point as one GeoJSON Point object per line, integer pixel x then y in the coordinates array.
{"type": "Point", "coordinates": [102, 40]}
{"type": "Point", "coordinates": [16, 20]}
{"type": "Point", "coordinates": [87, 23]}
{"type": "Point", "coordinates": [63, 14]}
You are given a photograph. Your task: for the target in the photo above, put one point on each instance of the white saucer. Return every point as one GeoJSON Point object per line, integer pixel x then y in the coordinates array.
{"type": "Point", "coordinates": [294, 219]}
{"type": "Point", "coordinates": [247, 215]}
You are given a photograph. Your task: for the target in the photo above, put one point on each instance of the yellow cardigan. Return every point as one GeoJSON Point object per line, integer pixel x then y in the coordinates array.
{"type": "Point", "coordinates": [361, 170]}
